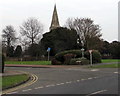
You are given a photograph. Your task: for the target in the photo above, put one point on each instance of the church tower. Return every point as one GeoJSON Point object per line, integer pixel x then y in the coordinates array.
{"type": "Point", "coordinates": [55, 20]}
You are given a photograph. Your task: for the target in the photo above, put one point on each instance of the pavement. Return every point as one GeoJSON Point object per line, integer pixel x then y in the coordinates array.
{"type": "Point", "coordinates": [42, 66]}
{"type": "Point", "coordinates": [10, 72]}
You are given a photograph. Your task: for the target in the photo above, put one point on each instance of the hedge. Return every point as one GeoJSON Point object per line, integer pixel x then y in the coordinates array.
{"type": "Point", "coordinates": [71, 56]}
{"type": "Point", "coordinates": [60, 56]}
{"type": "Point", "coordinates": [79, 61]}
{"type": "Point", "coordinates": [96, 56]}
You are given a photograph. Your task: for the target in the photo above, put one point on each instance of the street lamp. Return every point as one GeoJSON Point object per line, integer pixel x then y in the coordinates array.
{"type": "Point", "coordinates": [82, 50]}
{"type": "Point", "coordinates": [77, 41]}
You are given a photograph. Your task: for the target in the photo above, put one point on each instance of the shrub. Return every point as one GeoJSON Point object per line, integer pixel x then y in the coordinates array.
{"type": "Point", "coordinates": [71, 56]}
{"type": "Point", "coordinates": [96, 56]}
{"type": "Point", "coordinates": [68, 57]}
{"type": "Point", "coordinates": [60, 56]}
{"type": "Point", "coordinates": [79, 61]}
{"type": "Point", "coordinates": [55, 62]}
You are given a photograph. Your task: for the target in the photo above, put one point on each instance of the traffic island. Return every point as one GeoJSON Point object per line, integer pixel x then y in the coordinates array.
{"type": "Point", "coordinates": [12, 79]}
{"type": "Point", "coordinates": [29, 79]}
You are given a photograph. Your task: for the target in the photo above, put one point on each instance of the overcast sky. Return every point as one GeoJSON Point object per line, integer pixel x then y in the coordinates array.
{"type": "Point", "coordinates": [103, 12]}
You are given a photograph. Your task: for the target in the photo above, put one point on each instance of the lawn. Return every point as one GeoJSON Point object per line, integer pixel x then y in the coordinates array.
{"type": "Point", "coordinates": [49, 62]}
{"type": "Point", "coordinates": [9, 81]}
{"type": "Point", "coordinates": [29, 62]}
{"type": "Point", "coordinates": [107, 66]}
{"type": "Point", "coordinates": [110, 60]}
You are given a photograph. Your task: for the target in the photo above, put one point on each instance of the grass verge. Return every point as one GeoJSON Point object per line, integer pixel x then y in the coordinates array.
{"type": "Point", "coordinates": [29, 62]}
{"type": "Point", "coordinates": [0, 83]}
{"type": "Point", "coordinates": [11, 81]}
{"type": "Point", "coordinates": [110, 60]}
{"type": "Point", "coordinates": [106, 66]}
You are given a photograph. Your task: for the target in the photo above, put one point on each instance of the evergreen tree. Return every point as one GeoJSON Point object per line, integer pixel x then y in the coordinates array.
{"type": "Point", "coordinates": [18, 51]}
{"type": "Point", "coordinates": [10, 51]}
{"type": "Point", "coordinates": [59, 39]}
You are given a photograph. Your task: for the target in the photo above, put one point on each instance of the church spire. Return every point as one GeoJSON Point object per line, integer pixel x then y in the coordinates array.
{"type": "Point", "coordinates": [55, 20]}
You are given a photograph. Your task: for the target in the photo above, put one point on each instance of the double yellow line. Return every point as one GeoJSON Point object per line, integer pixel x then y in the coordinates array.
{"type": "Point", "coordinates": [34, 79]}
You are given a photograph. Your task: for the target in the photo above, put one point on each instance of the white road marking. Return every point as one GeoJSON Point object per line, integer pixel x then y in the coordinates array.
{"type": "Point", "coordinates": [83, 79]}
{"type": "Point", "coordinates": [97, 92]}
{"type": "Point", "coordinates": [116, 72]}
{"type": "Point", "coordinates": [94, 70]}
{"type": "Point", "coordinates": [69, 82]}
{"type": "Point", "coordinates": [26, 90]}
{"type": "Point", "coordinates": [78, 80]}
{"type": "Point", "coordinates": [89, 78]}
{"type": "Point", "coordinates": [50, 85]}
{"type": "Point", "coordinates": [39, 87]}
{"type": "Point", "coordinates": [60, 84]}
{"type": "Point", "coordinates": [95, 77]}
{"type": "Point", "coordinates": [12, 92]}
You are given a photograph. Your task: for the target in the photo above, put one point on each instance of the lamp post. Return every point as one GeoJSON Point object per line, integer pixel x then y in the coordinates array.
{"type": "Point", "coordinates": [77, 41]}
{"type": "Point", "coordinates": [82, 50]}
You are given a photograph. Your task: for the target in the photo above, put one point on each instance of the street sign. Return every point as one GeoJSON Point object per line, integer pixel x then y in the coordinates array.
{"type": "Point", "coordinates": [90, 51]}
{"type": "Point", "coordinates": [48, 49]}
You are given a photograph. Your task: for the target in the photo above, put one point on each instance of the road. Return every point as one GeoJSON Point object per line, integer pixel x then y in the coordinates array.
{"type": "Point", "coordinates": [70, 81]}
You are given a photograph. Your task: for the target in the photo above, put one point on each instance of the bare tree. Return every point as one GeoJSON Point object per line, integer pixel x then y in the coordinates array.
{"type": "Point", "coordinates": [88, 32]}
{"type": "Point", "coordinates": [24, 43]}
{"type": "Point", "coordinates": [32, 29]}
{"type": "Point", "coordinates": [8, 35]}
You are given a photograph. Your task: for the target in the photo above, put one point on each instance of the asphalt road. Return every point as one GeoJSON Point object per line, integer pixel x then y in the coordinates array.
{"type": "Point", "coordinates": [71, 81]}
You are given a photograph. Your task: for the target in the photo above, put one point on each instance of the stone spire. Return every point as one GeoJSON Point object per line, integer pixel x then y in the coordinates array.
{"type": "Point", "coordinates": [55, 20]}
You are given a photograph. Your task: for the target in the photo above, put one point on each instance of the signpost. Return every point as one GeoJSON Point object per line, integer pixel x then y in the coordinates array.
{"type": "Point", "coordinates": [48, 50]}
{"type": "Point", "coordinates": [90, 51]}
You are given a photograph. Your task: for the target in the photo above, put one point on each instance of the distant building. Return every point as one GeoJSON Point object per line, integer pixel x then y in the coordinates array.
{"type": "Point", "coordinates": [55, 20]}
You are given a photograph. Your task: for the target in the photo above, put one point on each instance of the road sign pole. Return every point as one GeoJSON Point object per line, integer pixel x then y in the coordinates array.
{"type": "Point", "coordinates": [48, 55]}
{"type": "Point", "coordinates": [48, 50]}
{"type": "Point", "coordinates": [91, 58]}
{"type": "Point", "coordinates": [90, 51]}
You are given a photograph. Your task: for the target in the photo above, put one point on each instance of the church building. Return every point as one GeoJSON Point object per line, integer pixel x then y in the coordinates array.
{"type": "Point", "coordinates": [55, 20]}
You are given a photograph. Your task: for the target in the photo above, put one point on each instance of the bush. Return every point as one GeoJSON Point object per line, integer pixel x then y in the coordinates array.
{"type": "Point", "coordinates": [96, 56]}
{"type": "Point", "coordinates": [71, 56]}
{"type": "Point", "coordinates": [68, 57]}
{"type": "Point", "coordinates": [60, 56]}
{"type": "Point", "coordinates": [79, 61]}
{"type": "Point", "coordinates": [55, 62]}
